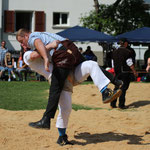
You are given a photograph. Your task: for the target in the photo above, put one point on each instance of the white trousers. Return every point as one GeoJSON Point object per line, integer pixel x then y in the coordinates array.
{"type": "Point", "coordinates": [82, 71]}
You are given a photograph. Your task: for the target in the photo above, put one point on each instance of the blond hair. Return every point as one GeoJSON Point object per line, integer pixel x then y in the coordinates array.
{"type": "Point", "coordinates": [8, 55]}
{"type": "Point", "coordinates": [22, 32]}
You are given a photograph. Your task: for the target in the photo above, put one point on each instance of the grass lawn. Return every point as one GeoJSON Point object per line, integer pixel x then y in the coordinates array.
{"type": "Point", "coordinates": [23, 95]}
{"type": "Point", "coordinates": [30, 95]}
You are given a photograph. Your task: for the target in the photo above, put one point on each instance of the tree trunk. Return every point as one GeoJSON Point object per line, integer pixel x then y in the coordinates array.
{"type": "Point", "coordinates": [96, 5]}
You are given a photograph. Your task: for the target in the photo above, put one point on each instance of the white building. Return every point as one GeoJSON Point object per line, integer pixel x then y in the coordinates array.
{"type": "Point", "coordinates": [44, 15]}
{"type": "Point", "coordinates": [38, 15]}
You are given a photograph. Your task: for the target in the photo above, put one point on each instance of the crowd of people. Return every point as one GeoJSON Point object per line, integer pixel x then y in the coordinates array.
{"type": "Point", "coordinates": [64, 66]}
{"type": "Point", "coordinates": [12, 69]}
{"type": "Point", "coordinates": [19, 70]}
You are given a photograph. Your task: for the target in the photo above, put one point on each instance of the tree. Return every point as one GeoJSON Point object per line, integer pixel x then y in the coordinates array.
{"type": "Point", "coordinates": [117, 18]}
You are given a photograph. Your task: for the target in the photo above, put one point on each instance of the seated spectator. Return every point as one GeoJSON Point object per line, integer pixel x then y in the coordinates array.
{"type": "Point", "coordinates": [22, 68]}
{"type": "Point", "coordinates": [89, 55]}
{"type": "Point", "coordinates": [40, 77]}
{"type": "Point", "coordinates": [3, 51]}
{"type": "Point", "coordinates": [9, 63]}
{"type": "Point", "coordinates": [80, 50]}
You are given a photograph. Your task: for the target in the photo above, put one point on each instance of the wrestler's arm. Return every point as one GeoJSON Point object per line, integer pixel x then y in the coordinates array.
{"type": "Point", "coordinates": [43, 52]}
{"type": "Point", "coordinates": [48, 47]}
{"type": "Point", "coordinates": [52, 45]}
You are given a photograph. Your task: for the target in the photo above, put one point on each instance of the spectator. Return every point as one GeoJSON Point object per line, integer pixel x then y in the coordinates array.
{"type": "Point", "coordinates": [40, 77]}
{"type": "Point", "coordinates": [125, 43]}
{"type": "Point", "coordinates": [3, 51]}
{"type": "Point", "coordinates": [89, 55]}
{"type": "Point", "coordinates": [9, 62]}
{"type": "Point", "coordinates": [146, 56]}
{"type": "Point", "coordinates": [22, 68]}
{"type": "Point", "coordinates": [80, 50]}
{"type": "Point", "coordinates": [123, 65]}
{"type": "Point", "coordinates": [109, 58]}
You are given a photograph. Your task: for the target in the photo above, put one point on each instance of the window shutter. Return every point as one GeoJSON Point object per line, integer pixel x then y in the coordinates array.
{"type": "Point", "coordinates": [39, 21]}
{"type": "Point", "coordinates": [9, 21]}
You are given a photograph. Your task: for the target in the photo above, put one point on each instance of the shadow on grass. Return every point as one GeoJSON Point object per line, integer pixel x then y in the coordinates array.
{"type": "Point", "coordinates": [106, 137]}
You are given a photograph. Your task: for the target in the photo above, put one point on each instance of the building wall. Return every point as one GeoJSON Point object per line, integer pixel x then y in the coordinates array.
{"type": "Point", "coordinates": [74, 7]}
{"type": "Point", "coordinates": [106, 1]}
{"type": "Point", "coordinates": [99, 55]}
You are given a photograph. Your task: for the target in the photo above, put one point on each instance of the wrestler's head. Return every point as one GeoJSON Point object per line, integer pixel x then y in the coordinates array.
{"type": "Point", "coordinates": [23, 36]}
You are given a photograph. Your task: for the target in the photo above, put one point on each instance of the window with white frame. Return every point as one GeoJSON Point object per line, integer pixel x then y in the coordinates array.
{"type": "Point", "coordinates": [60, 19]}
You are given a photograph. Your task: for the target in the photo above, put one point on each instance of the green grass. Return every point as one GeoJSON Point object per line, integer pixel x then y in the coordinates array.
{"type": "Point", "coordinates": [23, 95]}
{"type": "Point", "coordinates": [79, 107]}
{"type": "Point", "coordinates": [28, 95]}
{"type": "Point", "coordinates": [32, 95]}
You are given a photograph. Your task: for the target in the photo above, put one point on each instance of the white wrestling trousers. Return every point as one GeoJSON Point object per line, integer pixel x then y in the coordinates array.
{"type": "Point", "coordinates": [82, 71]}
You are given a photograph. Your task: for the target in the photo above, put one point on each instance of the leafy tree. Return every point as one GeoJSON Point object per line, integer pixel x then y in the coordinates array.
{"type": "Point", "coordinates": [117, 18]}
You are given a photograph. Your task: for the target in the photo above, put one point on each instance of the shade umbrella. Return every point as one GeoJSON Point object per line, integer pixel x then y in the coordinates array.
{"type": "Point", "coordinates": [140, 35]}
{"type": "Point", "coordinates": [78, 33]}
